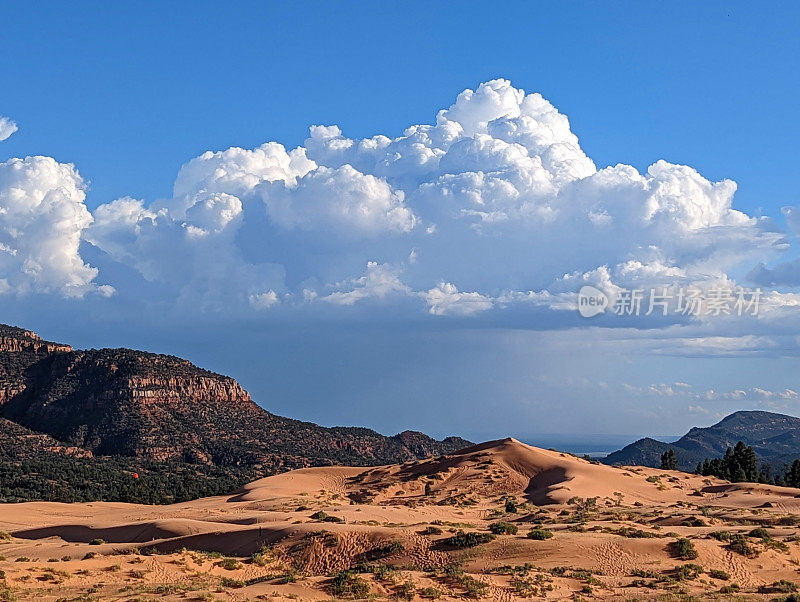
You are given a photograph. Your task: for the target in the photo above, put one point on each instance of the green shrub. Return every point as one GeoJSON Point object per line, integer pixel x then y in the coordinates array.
{"type": "Point", "coordinates": [384, 551]}
{"type": "Point", "coordinates": [97, 542]}
{"type": "Point", "coordinates": [719, 574]}
{"type": "Point", "coordinates": [684, 549]}
{"type": "Point", "coordinates": [346, 584]}
{"type": "Point", "coordinates": [229, 564]}
{"type": "Point", "coordinates": [740, 545]}
{"type": "Point", "coordinates": [503, 528]}
{"type": "Point", "coordinates": [232, 583]}
{"type": "Point", "coordinates": [406, 591]}
{"type": "Point", "coordinates": [511, 506]}
{"type": "Point", "coordinates": [688, 572]}
{"type": "Point", "coordinates": [431, 531]}
{"type": "Point", "coordinates": [384, 572]}
{"type": "Point", "coordinates": [474, 588]}
{"type": "Point", "coordinates": [721, 535]}
{"type": "Point", "coordinates": [779, 587]}
{"type": "Point", "coordinates": [326, 518]}
{"type": "Point", "coordinates": [634, 533]}
{"type": "Point", "coordinates": [540, 534]}
{"type": "Point", "coordinates": [262, 557]}
{"type": "Point", "coordinates": [760, 533]}
{"type": "Point", "coordinates": [431, 593]}
{"type": "Point", "coordinates": [463, 539]}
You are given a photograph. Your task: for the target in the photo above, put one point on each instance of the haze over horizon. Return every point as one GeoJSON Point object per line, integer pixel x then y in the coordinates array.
{"type": "Point", "coordinates": [372, 226]}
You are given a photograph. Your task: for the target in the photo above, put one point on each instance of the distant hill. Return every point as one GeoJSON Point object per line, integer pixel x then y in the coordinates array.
{"type": "Point", "coordinates": [142, 407]}
{"type": "Point", "coordinates": [774, 437]}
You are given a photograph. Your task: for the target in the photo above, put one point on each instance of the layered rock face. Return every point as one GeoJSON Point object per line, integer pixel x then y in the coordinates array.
{"type": "Point", "coordinates": [119, 402]}
{"type": "Point", "coordinates": [19, 350]}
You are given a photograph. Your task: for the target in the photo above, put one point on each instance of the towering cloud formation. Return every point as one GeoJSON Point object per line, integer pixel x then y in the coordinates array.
{"type": "Point", "coordinates": [495, 204]}
{"type": "Point", "coordinates": [42, 218]}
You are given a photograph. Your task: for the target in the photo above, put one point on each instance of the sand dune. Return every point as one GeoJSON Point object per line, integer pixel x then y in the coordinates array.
{"type": "Point", "coordinates": [614, 528]}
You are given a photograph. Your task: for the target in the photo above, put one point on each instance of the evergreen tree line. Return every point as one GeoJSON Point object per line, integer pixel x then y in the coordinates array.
{"type": "Point", "coordinates": [740, 464]}
{"type": "Point", "coordinates": [65, 479]}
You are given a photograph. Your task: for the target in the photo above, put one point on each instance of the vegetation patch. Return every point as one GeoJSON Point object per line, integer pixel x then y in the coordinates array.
{"type": "Point", "coordinates": [503, 528]}
{"type": "Point", "coordinates": [464, 539]}
{"type": "Point", "coordinates": [346, 584]}
{"type": "Point", "coordinates": [326, 518]}
{"type": "Point", "coordinates": [684, 549]}
{"type": "Point", "coordinates": [740, 545]}
{"type": "Point", "coordinates": [539, 534]}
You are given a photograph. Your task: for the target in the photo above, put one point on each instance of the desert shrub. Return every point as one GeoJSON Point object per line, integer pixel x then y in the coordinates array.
{"type": "Point", "coordinates": [778, 587]}
{"type": "Point", "coordinates": [540, 534]}
{"type": "Point", "coordinates": [473, 587]}
{"type": "Point", "coordinates": [431, 531]}
{"type": "Point", "coordinates": [729, 589]}
{"type": "Point", "coordinates": [262, 557]}
{"type": "Point", "coordinates": [346, 584]}
{"type": "Point", "coordinates": [229, 564]}
{"type": "Point", "coordinates": [511, 506]}
{"type": "Point", "coordinates": [431, 593]}
{"type": "Point", "coordinates": [290, 577]}
{"type": "Point", "coordinates": [721, 535]}
{"type": "Point", "coordinates": [503, 528]}
{"type": "Point", "coordinates": [688, 572]}
{"type": "Point", "coordinates": [719, 574]}
{"type": "Point", "coordinates": [380, 552]}
{"type": "Point", "coordinates": [383, 572]}
{"type": "Point", "coordinates": [776, 544]}
{"type": "Point", "coordinates": [740, 545]}
{"type": "Point", "coordinates": [684, 549]}
{"type": "Point", "coordinates": [326, 518]}
{"type": "Point", "coordinates": [97, 542]}
{"type": "Point", "coordinates": [406, 591]}
{"type": "Point", "coordinates": [232, 583]}
{"type": "Point", "coordinates": [463, 539]}
{"type": "Point", "coordinates": [4, 536]}
{"type": "Point", "coordinates": [760, 533]}
{"type": "Point", "coordinates": [634, 533]}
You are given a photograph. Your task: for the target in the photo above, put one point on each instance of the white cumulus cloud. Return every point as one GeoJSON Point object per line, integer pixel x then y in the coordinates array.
{"type": "Point", "coordinates": [492, 205]}
{"type": "Point", "coordinates": [42, 219]}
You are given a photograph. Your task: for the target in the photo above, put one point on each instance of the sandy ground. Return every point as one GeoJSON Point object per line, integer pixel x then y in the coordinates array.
{"type": "Point", "coordinates": [614, 533]}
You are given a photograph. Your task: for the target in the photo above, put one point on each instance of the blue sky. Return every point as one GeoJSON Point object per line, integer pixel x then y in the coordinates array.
{"type": "Point", "coordinates": [128, 91]}
{"type": "Point", "coordinates": [193, 265]}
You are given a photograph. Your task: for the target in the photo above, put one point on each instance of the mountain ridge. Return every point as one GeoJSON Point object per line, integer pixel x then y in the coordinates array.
{"type": "Point", "coordinates": [160, 408]}
{"type": "Point", "coordinates": [774, 437]}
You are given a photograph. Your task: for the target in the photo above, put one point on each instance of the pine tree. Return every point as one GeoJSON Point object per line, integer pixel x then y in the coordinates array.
{"type": "Point", "coordinates": [669, 461]}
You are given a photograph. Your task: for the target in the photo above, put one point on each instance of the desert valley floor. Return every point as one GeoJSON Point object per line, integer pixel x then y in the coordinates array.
{"type": "Point", "coordinates": [497, 521]}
